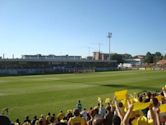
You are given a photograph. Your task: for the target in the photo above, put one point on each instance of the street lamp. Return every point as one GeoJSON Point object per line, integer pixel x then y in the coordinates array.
{"type": "Point", "coordinates": [109, 37]}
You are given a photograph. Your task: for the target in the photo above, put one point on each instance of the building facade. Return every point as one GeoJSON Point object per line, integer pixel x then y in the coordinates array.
{"type": "Point", "coordinates": [100, 56]}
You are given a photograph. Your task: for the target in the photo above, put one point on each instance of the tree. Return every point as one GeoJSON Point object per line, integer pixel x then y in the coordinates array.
{"type": "Point", "coordinates": [157, 56]}
{"type": "Point", "coordinates": [127, 56]}
{"type": "Point", "coordinates": [117, 57]}
{"type": "Point", "coordinates": [149, 58]}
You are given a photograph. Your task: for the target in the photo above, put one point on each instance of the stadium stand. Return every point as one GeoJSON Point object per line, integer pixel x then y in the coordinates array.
{"type": "Point", "coordinates": [29, 66]}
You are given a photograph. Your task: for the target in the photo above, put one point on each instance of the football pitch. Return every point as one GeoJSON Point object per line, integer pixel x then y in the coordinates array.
{"type": "Point", "coordinates": [40, 94]}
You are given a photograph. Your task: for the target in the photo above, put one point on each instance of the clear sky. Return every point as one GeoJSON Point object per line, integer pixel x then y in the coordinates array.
{"type": "Point", "coordinates": [77, 27]}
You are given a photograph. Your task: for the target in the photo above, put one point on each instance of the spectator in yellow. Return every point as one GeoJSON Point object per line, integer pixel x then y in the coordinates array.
{"type": "Point", "coordinates": [48, 118]}
{"type": "Point", "coordinates": [61, 116]}
{"type": "Point", "coordinates": [77, 120]}
{"type": "Point", "coordinates": [42, 120]}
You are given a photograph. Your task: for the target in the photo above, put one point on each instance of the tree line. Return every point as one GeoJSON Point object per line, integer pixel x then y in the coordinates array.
{"type": "Point", "coordinates": [153, 57]}
{"type": "Point", "coordinates": [148, 58]}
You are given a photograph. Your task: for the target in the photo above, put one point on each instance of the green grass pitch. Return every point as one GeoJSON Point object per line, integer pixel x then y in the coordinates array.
{"type": "Point", "coordinates": [40, 94]}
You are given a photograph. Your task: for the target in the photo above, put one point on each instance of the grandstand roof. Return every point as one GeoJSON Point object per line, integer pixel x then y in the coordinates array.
{"type": "Point", "coordinates": [52, 60]}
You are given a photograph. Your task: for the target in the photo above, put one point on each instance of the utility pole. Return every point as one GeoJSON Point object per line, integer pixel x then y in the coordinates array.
{"type": "Point", "coordinates": [109, 37]}
{"type": "Point", "coordinates": [12, 56]}
{"type": "Point", "coordinates": [89, 51]}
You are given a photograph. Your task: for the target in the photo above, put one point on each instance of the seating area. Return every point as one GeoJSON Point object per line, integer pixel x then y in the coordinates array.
{"type": "Point", "coordinates": [144, 108]}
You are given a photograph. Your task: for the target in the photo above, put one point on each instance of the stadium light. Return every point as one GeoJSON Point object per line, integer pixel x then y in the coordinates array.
{"type": "Point", "coordinates": [109, 37]}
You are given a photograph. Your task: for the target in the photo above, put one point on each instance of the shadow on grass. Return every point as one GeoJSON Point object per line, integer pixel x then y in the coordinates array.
{"type": "Point", "coordinates": [131, 87]}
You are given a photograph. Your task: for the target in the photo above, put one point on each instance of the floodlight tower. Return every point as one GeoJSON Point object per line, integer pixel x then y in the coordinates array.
{"type": "Point", "coordinates": [99, 46]}
{"type": "Point", "coordinates": [109, 37]}
{"type": "Point", "coordinates": [3, 55]}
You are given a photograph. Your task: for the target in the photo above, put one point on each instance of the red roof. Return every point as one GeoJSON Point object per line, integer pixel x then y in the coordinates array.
{"type": "Point", "coordinates": [162, 62]}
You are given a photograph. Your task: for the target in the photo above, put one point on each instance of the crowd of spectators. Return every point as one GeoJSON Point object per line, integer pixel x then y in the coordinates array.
{"type": "Point", "coordinates": [144, 108]}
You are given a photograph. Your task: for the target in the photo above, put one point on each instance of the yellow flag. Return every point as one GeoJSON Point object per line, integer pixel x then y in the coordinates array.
{"type": "Point", "coordinates": [134, 100]}
{"type": "Point", "coordinates": [107, 100]}
{"type": "Point", "coordinates": [162, 108]}
{"type": "Point", "coordinates": [159, 97]}
{"type": "Point", "coordinates": [99, 100]}
{"type": "Point", "coordinates": [140, 106]}
{"type": "Point", "coordinates": [150, 122]}
{"type": "Point", "coordinates": [164, 88]}
{"type": "Point", "coordinates": [120, 95]}
{"type": "Point", "coordinates": [142, 120]}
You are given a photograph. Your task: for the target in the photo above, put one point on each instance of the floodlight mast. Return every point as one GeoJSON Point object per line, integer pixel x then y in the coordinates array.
{"type": "Point", "coordinates": [109, 37]}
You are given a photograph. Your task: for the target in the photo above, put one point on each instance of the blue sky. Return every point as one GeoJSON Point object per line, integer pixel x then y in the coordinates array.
{"type": "Point", "coordinates": [73, 26]}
